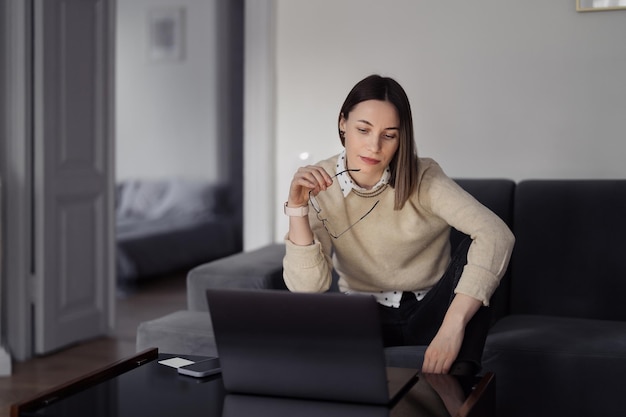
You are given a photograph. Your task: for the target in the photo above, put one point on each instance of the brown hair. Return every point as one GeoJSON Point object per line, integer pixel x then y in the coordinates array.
{"type": "Point", "coordinates": [403, 166]}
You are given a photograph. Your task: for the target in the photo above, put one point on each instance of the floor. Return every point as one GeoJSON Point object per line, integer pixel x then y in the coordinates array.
{"type": "Point", "coordinates": [134, 305]}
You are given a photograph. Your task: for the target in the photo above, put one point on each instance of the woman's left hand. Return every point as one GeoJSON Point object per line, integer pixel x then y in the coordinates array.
{"type": "Point", "coordinates": [443, 349]}
{"type": "Point", "coordinates": [445, 346]}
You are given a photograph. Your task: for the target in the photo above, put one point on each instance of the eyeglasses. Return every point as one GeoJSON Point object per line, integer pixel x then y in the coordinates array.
{"type": "Point", "coordinates": [318, 210]}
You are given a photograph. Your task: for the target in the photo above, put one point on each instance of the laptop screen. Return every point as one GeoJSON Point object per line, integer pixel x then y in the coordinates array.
{"type": "Point", "coordinates": [317, 346]}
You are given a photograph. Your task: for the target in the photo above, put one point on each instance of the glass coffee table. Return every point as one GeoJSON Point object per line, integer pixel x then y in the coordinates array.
{"type": "Point", "coordinates": [140, 386]}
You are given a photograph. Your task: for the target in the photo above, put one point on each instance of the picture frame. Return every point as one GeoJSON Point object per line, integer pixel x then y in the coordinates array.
{"type": "Point", "coordinates": [599, 5]}
{"type": "Point", "coordinates": [166, 34]}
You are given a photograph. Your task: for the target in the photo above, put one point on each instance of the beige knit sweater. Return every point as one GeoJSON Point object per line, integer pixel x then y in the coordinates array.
{"type": "Point", "coordinates": [406, 250]}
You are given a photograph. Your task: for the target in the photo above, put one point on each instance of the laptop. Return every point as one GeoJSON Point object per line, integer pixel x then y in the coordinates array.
{"type": "Point", "coordinates": [301, 345]}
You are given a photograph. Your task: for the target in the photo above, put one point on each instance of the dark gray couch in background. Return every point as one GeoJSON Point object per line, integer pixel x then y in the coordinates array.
{"type": "Point", "coordinates": [558, 343]}
{"type": "Point", "coordinates": [165, 226]}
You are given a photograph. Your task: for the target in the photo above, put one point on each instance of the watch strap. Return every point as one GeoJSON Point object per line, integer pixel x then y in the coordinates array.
{"type": "Point", "coordinates": [296, 211]}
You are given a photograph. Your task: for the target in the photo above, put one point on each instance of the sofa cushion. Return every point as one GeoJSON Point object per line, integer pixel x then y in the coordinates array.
{"type": "Point", "coordinates": [557, 363]}
{"type": "Point", "coordinates": [569, 251]}
{"type": "Point", "coordinates": [181, 333]}
{"type": "Point", "coordinates": [260, 268]}
{"type": "Point", "coordinates": [559, 336]}
{"type": "Point", "coordinates": [405, 356]}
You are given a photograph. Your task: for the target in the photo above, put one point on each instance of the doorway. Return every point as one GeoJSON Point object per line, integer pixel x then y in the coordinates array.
{"type": "Point", "coordinates": [17, 162]}
{"type": "Point", "coordinates": [179, 131]}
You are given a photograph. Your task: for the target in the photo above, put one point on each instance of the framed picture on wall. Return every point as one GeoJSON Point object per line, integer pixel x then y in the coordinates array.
{"type": "Point", "coordinates": [166, 34]}
{"type": "Point", "coordinates": [599, 5]}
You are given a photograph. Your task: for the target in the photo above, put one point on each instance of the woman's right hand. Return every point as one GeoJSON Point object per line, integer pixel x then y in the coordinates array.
{"type": "Point", "coordinates": [306, 179]}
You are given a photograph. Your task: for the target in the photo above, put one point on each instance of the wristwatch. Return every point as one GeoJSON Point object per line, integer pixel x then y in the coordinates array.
{"type": "Point", "coordinates": [296, 211]}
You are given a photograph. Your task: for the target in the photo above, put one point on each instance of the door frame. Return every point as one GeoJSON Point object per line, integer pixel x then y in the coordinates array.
{"type": "Point", "coordinates": [18, 179]}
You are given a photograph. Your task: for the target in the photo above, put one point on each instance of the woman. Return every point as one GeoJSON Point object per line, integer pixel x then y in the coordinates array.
{"type": "Point", "coordinates": [381, 217]}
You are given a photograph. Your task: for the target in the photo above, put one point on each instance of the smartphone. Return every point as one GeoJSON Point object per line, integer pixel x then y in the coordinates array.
{"type": "Point", "coordinates": [201, 368]}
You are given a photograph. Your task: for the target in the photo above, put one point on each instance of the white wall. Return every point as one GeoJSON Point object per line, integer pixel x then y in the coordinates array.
{"type": "Point", "coordinates": [259, 138]}
{"type": "Point", "coordinates": [167, 112]}
{"type": "Point", "coordinates": [498, 88]}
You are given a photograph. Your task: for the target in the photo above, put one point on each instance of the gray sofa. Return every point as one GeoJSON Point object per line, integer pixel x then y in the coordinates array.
{"type": "Point", "coordinates": [165, 226]}
{"type": "Point", "coordinates": [558, 340]}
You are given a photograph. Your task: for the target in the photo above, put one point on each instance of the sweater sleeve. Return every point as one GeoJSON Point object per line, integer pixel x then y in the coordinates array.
{"type": "Point", "coordinates": [492, 240]}
{"type": "Point", "coordinates": [306, 268]}
{"type": "Point", "coordinates": [309, 268]}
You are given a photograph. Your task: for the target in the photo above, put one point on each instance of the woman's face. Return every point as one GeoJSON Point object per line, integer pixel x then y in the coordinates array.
{"type": "Point", "coordinates": [372, 138]}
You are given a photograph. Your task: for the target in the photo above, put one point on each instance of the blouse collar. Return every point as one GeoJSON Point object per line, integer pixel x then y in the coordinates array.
{"type": "Point", "coordinates": [347, 184]}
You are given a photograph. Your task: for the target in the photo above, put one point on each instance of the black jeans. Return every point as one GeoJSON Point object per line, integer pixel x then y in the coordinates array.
{"type": "Point", "coordinates": [417, 322]}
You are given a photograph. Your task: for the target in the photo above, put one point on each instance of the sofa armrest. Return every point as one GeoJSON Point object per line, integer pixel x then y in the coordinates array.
{"type": "Point", "coordinates": [258, 269]}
